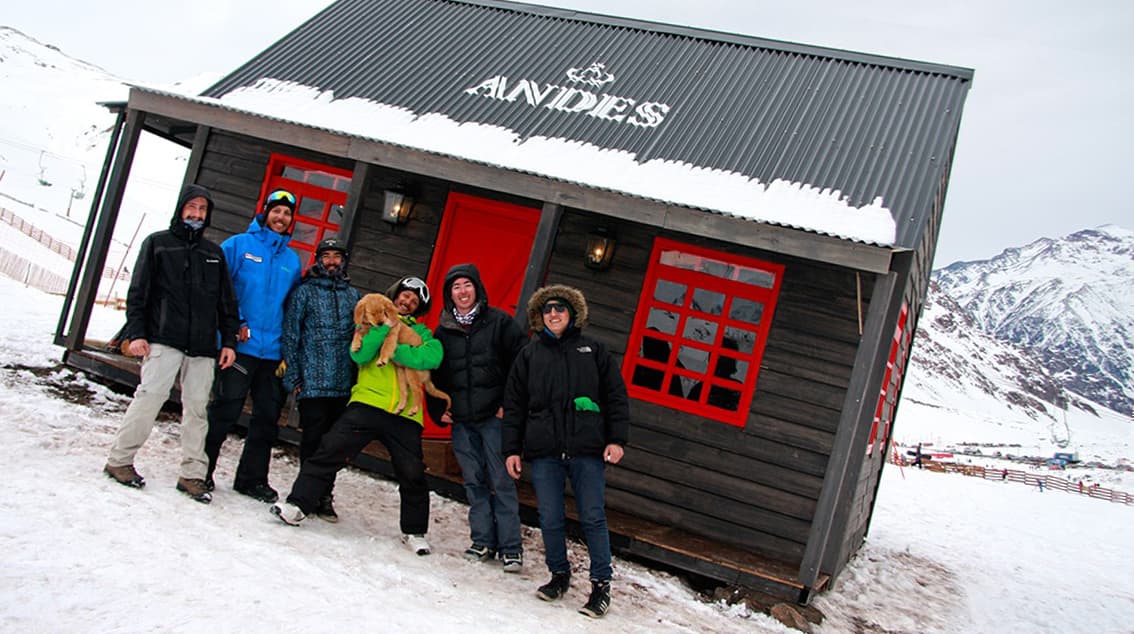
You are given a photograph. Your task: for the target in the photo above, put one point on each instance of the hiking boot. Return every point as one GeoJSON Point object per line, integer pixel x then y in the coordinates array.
{"type": "Point", "coordinates": [195, 488]}
{"type": "Point", "coordinates": [513, 562]}
{"type": "Point", "coordinates": [555, 588]}
{"type": "Point", "coordinates": [417, 544]}
{"type": "Point", "coordinates": [125, 475]}
{"type": "Point", "coordinates": [599, 602]}
{"type": "Point", "coordinates": [326, 509]}
{"type": "Point", "coordinates": [261, 492]}
{"type": "Point", "coordinates": [288, 513]}
{"type": "Point", "coordinates": [478, 552]}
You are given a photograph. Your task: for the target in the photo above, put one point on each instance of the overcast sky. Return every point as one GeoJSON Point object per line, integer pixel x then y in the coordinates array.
{"type": "Point", "coordinates": [1044, 138]}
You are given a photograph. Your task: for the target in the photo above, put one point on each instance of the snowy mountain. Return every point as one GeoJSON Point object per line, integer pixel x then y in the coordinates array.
{"type": "Point", "coordinates": [1067, 300]}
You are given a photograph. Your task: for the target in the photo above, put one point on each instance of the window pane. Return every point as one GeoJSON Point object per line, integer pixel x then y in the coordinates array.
{"type": "Point", "coordinates": [662, 321]}
{"type": "Point", "coordinates": [670, 293]}
{"type": "Point", "coordinates": [304, 254]}
{"type": "Point", "coordinates": [336, 215]}
{"type": "Point", "coordinates": [679, 260]}
{"type": "Point", "coordinates": [730, 368]}
{"type": "Point", "coordinates": [654, 350]}
{"type": "Point", "coordinates": [756, 277]}
{"type": "Point", "coordinates": [700, 330]}
{"type": "Point", "coordinates": [724, 398]}
{"type": "Point", "coordinates": [321, 179]}
{"type": "Point", "coordinates": [312, 208]}
{"type": "Point", "coordinates": [716, 268]}
{"type": "Point", "coordinates": [746, 310]}
{"type": "Point", "coordinates": [708, 301]}
{"type": "Point", "coordinates": [304, 233]}
{"type": "Point", "coordinates": [294, 173]}
{"type": "Point", "coordinates": [342, 184]}
{"type": "Point", "coordinates": [648, 378]}
{"type": "Point", "coordinates": [738, 339]}
{"type": "Point", "coordinates": [693, 359]}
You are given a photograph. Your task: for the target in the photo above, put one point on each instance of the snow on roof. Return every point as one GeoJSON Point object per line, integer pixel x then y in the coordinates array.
{"type": "Point", "coordinates": [790, 204]}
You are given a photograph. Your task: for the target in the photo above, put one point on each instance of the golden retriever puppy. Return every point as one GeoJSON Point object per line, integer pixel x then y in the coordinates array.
{"type": "Point", "coordinates": [374, 309]}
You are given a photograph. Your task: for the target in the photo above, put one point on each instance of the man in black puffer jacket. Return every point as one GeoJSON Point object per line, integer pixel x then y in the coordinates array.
{"type": "Point", "coordinates": [480, 342]}
{"type": "Point", "coordinates": [180, 298]}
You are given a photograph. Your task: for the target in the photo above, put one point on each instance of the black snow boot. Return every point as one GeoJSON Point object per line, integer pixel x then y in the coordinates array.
{"type": "Point", "coordinates": [599, 603]}
{"type": "Point", "coordinates": [555, 588]}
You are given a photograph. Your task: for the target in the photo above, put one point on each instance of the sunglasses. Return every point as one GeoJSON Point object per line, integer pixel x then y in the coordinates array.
{"type": "Point", "coordinates": [417, 285]}
{"type": "Point", "coordinates": [280, 196]}
{"type": "Point", "coordinates": [559, 308]}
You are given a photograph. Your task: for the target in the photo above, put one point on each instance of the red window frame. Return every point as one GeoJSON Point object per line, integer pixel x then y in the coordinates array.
{"type": "Point", "coordinates": [306, 193]}
{"type": "Point", "coordinates": [884, 412]}
{"type": "Point", "coordinates": [689, 394]}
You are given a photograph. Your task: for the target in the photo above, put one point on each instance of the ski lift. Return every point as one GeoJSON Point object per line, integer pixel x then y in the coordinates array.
{"type": "Point", "coordinates": [42, 181]}
{"type": "Point", "coordinates": [81, 192]}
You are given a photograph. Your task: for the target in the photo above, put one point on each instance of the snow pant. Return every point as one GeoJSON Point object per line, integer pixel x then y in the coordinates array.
{"type": "Point", "coordinates": [316, 416]}
{"type": "Point", "coordinates": [494, 507]}
{"type": "Point", "coordinates": [549, 476]}
{"type": "Point", "coordinates": [357, 427]}
{"type": "Point", "coordinates": [160, 368]}
{"type": "Point", "coordinates": [268, 395]}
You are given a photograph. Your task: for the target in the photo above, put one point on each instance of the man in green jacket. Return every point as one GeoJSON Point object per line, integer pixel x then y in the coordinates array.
{"type": "Point", "coordinates": [370, 416]}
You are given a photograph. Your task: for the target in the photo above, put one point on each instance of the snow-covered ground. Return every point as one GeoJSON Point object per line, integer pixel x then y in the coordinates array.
{"type": "Point", "coordinates": [80, 553]}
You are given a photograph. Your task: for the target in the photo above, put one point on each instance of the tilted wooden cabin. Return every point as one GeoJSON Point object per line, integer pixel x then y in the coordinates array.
{"type": "Point", "coordinates": [753, 223]}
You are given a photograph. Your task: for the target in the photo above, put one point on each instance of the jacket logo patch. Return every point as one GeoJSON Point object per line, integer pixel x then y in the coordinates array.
{"type": "Point", "coordinates": [212, 261]}
{"type": "Point", "coordinates": [584, 349]}
{"type": "Point", "coordinates": [255, 258]}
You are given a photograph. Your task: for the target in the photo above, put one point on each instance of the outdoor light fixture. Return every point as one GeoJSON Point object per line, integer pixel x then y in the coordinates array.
{"type": "Point", "coordinates": [396, 206]}
{"type": "Point", "coordinates": [600, 249]}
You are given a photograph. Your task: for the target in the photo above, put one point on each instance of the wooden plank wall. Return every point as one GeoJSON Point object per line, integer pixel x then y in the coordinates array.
{"type": "Point", "coordinates": [754, 487]}
{"type": "Point", "coordinates": [917, 286]}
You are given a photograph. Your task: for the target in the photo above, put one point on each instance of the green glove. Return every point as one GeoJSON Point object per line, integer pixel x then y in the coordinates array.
{"type": "Point", "coordinates": [585, 404]}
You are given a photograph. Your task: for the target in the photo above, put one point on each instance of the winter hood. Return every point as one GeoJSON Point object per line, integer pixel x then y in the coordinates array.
{"type": "Point", "coordinates": [572, 296]}
{"type": "Point", "coordinates": [470, 271]}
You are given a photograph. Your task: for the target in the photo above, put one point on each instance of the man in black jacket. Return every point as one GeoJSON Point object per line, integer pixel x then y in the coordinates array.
{"type": "Point", "coordinates": [480, 343]}
{"type": "Point", "coordinates": [180, 297]}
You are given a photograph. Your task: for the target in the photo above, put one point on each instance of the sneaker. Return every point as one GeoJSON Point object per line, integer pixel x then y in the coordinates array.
{"type": "Point", "coordinates": [555, 588]}
{"type": "Point", "coordinates": [513, 562]}
{"type": "Point", "coordinates": [477, 552]}
{"type": "Point", "coordinates": [125, 475]}
{"type": "Point", "coordinates": [417, 544]}
{"type": "Point", "coordinates": [195, 488]}
{"type": "Point", "coordinates": [261, 492]}
{"type": "Point", "coordinates": [599, 602]}
{"type": "Point", "coordinates": [326, 509]}
{"type": "Point", "coordinates": [288, 513]}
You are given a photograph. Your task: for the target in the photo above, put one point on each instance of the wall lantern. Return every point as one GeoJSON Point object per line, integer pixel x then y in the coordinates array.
{"type": "Point", "coordinates": [396, 206]}
{"type": "Point", "coordinates": [600, 250]}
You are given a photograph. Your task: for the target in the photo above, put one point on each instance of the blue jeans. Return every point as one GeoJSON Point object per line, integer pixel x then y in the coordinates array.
{"type": "Point", "coordinates": [494, 508]}
{"type": "Point", "coordinates": [549, 478]}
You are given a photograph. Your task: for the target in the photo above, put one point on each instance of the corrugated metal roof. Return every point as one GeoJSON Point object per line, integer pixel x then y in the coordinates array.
{"type": "Point", "coordinates": [868, 126]}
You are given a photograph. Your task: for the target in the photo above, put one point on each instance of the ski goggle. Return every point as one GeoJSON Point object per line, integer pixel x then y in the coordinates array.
{"type": "Point", "coordinates": [418, 286]}
{"type": "Point", "coordinates": [279, 197]}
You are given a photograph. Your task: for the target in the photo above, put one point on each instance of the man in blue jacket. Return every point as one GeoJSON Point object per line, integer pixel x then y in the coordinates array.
{"type": "Point", "coordinates": [263, 270]}
{"type": "Point", "coordinates": [318, 328]}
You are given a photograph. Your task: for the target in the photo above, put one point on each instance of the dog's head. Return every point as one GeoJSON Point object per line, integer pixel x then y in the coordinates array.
{"type": "Point", "coordinates": [373, 309]}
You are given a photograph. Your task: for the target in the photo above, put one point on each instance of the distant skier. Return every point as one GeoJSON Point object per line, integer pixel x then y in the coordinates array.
{"type": "Point", "coordinates": [1039, 484]}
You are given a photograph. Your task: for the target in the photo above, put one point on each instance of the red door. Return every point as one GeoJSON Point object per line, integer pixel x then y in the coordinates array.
{"type": "Point", "coordinates": [495, 236]}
